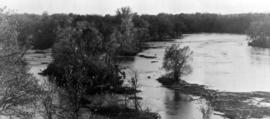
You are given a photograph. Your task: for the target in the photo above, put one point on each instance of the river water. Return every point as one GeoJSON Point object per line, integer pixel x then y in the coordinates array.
{"type": "Point", "coordinates": [220, 61]}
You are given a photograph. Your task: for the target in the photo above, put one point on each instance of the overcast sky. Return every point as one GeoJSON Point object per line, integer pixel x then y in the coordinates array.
{"type": "Point", "coordinates": [140, 6]}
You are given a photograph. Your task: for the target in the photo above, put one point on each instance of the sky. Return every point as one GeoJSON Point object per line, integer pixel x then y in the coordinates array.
{"type": "Point", "coordinates": [103, 7]}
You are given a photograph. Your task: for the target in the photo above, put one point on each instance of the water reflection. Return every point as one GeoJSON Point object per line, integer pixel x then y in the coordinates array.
{"type": "Point", "coordinates": [178, 106]}
{"type": "Point", "coordinates": [259, 56]}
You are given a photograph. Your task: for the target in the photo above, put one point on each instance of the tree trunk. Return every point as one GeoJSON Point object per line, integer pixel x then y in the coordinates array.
{"type": "Point", "coordinates": [176, 75]}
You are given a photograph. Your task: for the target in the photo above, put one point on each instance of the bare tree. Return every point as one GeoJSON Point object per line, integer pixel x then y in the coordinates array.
{"type": "Point", "coordinates": [135, 86]}
{"type": "Point", "coordinates": [124, 12]}
{"type": "Point", "coordinates": [176, 61]}
{"type": "Point", "coordinates": [19, 91]}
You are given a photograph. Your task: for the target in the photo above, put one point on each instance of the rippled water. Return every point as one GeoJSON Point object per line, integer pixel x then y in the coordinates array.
{"type": "Point", "coordinates": [221, 61]}
{"type": "Point", "coordinates": [226, 62]}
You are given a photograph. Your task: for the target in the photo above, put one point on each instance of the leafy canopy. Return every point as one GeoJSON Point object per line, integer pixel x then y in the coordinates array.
{"type": "Point", "coordinates": [176, 60]}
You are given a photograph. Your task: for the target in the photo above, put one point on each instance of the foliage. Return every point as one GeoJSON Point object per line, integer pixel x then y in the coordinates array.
{"type": "Point", "coordinates": [118, 112]}
{"type": "Point", "coordinates": [81, 52]}
{"type": "Point", "coordinates": [176, 60]}
{"type": "Point", "coordinates": [259, 33]}
{"type": "Point", "coordinates": [45, 33]}
{"type": "Point", "coordinates": [131, 29]}
{"type": "Point", "coordinates": [19, 90]}
{"type": "Point", "coordinates": [126, 32]}
{"type": "Point", "coordinates": [83, 64]}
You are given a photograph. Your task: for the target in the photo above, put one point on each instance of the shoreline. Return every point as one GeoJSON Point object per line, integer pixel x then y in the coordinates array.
{"type": "Point", "coordinates": [232, 104]}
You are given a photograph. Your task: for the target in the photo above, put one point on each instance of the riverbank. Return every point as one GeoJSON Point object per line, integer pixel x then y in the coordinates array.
{"type": "Point", "coordinates": [234, 105]}
{"type": "Point", "coordinates": [120, 112]}
{"type": "Point", "coordinates": [110, 109]}
{"type": "Point", "coordinates": [260, 43]}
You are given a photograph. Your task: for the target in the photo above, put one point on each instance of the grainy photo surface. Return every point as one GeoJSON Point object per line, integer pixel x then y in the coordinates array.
{"type": "Point", "coordinates": [134, 59]}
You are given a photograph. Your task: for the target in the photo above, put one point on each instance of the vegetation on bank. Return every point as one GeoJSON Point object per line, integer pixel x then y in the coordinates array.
{"type": "Point", "coordinates": [259, 33]}
{"type": "Point", "coordinates": [232, 104]}
{"type": "Point", "coordinates": [176, 61]}
{"type": "Point", "coordinates": [42, 29]}
{"type": "Point", "coordinates": [85, 64]}
{"type": "Point", "coordinates": [20, 91]}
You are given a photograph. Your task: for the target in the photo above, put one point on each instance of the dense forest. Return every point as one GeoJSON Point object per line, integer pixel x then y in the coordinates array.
{"type": "Point", "coordinates": [43, 29]}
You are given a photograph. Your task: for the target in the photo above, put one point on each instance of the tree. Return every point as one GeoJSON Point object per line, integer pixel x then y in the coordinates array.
{"type": "Point", "coordinates": [82, 65]}
{"type": "Point", "coordinates": [126, 32]}
{"type": "Point", "coordinates": [176, 61]}
{"type": "Point", "coordinates": [135, 86]}
{"type": "Point", "coordinates": [45, 34]}
{"type": "Point", "coordinates": [19, 91]}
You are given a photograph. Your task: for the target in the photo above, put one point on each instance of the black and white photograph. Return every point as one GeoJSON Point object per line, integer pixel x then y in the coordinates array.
{"type": "Point", "coordinates": [134, 59]}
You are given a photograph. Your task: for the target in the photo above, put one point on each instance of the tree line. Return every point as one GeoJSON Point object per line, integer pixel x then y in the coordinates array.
{"type": "Point", "coordinates": [43, 29]}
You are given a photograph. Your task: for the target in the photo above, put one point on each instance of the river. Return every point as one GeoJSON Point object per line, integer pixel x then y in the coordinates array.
{"type": "Point", "coordinates": [220, 61]}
